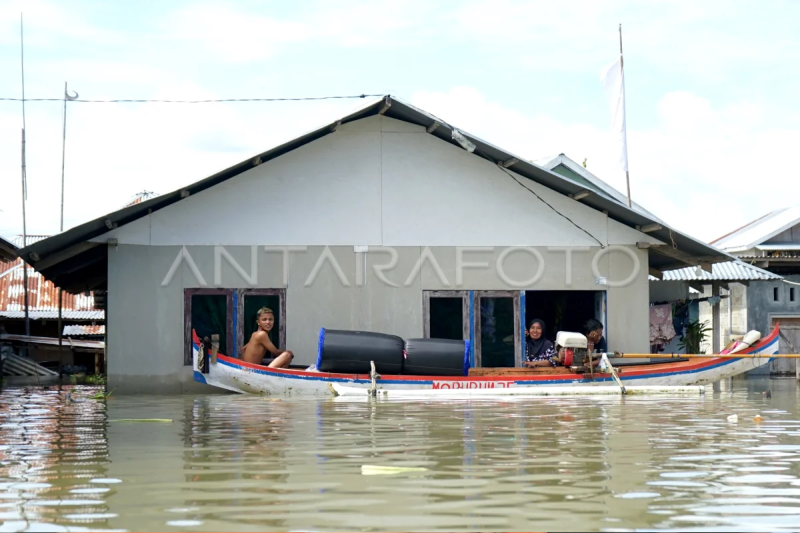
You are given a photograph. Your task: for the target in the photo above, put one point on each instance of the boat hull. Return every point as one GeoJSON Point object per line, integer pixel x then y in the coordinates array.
{"type": "Point", "coordinates": [237, 376]}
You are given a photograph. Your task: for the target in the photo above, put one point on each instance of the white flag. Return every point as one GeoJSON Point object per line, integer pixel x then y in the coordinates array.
{"type": "Point", "coordinates": [613, 81]}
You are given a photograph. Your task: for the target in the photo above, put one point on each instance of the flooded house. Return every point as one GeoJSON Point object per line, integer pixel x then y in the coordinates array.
{"type": "Point", "coordinates": [79, 321]}
{"type": "Point", "coordinates": [714, 297]}
{"type": "Point", "coordinates": [771, 243]}
{"type": "Point", "coordinates": [388, 220]}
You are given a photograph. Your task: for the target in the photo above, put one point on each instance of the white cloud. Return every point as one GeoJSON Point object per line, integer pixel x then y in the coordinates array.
{"type": "Point", "coordinates": [228, 34]}
{"type": "Point", "coordinates": [225, 33]}
{"type": "Point", "coordinates": [705, 39]}
{"type": "Point", "coordinates": [47, 24]}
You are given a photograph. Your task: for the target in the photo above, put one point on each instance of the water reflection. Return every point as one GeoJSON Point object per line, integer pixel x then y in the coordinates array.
{"type": "Point", "coordinates": [240, 463]}
{"type": "Point", "coordinates": [53, 459]}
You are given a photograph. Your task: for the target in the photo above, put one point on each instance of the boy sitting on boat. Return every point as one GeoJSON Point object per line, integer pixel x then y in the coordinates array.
{"type": "Point", "coordinates": [255, 350]}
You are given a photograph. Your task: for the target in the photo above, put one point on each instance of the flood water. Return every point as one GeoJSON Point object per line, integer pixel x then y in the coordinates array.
{"type": "Point", "coordinates": [236, 463]}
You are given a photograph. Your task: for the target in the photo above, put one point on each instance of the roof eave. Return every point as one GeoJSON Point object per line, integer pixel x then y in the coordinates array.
{"type": "Point", "coordinates": [38, 251]}
{"type": "Point", "coordinates": [8, 252]}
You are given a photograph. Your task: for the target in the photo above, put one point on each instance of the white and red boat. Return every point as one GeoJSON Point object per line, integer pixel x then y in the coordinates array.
{"type": "Point", "coordinates": [683, 375]}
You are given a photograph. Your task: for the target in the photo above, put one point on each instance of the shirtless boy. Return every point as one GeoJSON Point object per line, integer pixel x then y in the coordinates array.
{"type": "Point", "coordinates": [254, 351]}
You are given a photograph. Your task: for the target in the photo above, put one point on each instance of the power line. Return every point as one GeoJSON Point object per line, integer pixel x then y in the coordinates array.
{"type": "Point", "coordinates": [481, 154]}
{"type": "Point", "coordinates": [209, 101]}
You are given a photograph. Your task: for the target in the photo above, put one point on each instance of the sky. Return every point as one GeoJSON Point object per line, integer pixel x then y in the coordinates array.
{"type": "Point", "coordinates": [712, 118]}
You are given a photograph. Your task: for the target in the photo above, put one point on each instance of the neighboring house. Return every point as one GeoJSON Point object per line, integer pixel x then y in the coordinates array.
{"type": "Point", "coordinates": [8, 252]}
{"type": "Point", "coordinates": [42, 300]}
{"type": "Point", "coordinates": [387, 220]}
{"type": "Point", "coordinates": [78, 311]}
{"type": "Point", "coordinates": [771, 242]}
{"type": "Point", "coordinates": [724, 288]}
{"type": "Point", "coordinates": [728, 281]}
{"type": "Point", "coordinates": [563, 165]}
{"type": "Point", "coordinates": [141, 197]}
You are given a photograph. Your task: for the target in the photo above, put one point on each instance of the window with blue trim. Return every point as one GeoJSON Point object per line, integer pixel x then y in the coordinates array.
{"type": "Point", "coordinates": [231, 314]}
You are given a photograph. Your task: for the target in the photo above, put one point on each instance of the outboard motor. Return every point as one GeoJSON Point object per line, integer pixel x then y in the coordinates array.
{"type": "Point", "coordinates": [575, 346]}
{"type": "Point", "coordinates": [576, 352]}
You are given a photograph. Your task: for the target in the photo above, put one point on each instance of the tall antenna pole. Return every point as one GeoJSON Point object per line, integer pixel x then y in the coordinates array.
{"type": "Point", "coordinates": [61, 229]}
{"type": "Point", "coordinates": [63, 152]}
{"type": "Point", "coordinates": [24, 180]}
{"type": "Point", "coordinates": [622, 76]}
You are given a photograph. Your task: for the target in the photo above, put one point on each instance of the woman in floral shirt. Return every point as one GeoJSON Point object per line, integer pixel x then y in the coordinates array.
{"type": "Point", "coordinates": [538, 350]}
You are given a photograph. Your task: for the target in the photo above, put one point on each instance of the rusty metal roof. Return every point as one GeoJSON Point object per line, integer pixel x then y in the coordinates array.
{"type": "Point", "coordinates": [78, 330]}
{"type": "Point", "coordinates": [141, 197]}
{"type": "Point", "coordinates": [42, 294]}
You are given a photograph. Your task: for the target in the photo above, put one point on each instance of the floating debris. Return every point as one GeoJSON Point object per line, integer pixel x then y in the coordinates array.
{"type": "Point", "coordinates": [733, 419]}
{"type": "Point", "coordinates": [160, 420]}
{"type": "Point", "coordinates": [375, 470]}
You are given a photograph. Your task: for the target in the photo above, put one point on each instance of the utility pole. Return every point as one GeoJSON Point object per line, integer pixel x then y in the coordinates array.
{"type": "Point", "coordinates": [24, 182]}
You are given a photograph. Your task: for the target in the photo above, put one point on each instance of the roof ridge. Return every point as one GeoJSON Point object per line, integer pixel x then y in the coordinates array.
{"type": "Point", "coordinates": [745, 226]}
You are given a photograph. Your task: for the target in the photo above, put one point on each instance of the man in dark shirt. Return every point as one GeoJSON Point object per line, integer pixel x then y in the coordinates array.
{"type": "Point", "coordinates": [593, 330]}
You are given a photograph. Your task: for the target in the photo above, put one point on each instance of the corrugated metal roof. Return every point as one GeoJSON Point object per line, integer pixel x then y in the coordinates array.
{"type": "Point", "coordinates": [86, 268]}
{"type": "Point", "coordinates": [759, 230]}
{"type": "Point", "coordinates": [42, 294]}
{"type": "Point", "coordinates": [49, 341]}
{"type": "Point", "coordinates": [30, 239]}
{"type": "Point", "coordinates": [789, 247]}
{"type": "Point", "coordinates": [730, 271]}
{"type": "Point", "coordinates": [77, 330]}
{"type": "Point", "coordinates": [53, 315]}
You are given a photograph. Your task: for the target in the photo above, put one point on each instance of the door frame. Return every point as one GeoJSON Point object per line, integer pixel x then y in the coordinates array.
{"type": "Point", "coordinates": [515, 296]}
{"type": "Point", "coordinates": [603, 311]}
{"type": "Point", "coordinates": [239, 295]}
{"type": "Point", "coordinates": [187, 320]}
{"type": "Point", "coordinates": [426, 310]}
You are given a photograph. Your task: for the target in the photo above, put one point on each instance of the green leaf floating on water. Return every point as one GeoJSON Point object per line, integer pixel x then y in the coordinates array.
{"type": "Point", "coordinates": [376, 470]}
{"type": "Point", "coordinates": [161, 420]}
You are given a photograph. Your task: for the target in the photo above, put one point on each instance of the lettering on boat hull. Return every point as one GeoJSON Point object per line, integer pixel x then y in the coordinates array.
{"type": "Point", "coordinates": [472, 384]}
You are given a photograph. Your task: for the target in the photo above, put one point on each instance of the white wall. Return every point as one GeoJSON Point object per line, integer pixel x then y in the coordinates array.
{"type": "Point", "coordinates": [378, 181]}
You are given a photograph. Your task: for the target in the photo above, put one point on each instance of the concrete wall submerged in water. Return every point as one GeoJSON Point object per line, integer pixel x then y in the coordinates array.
{"type": "Point", "coordinates": [146, 316]}
{"type": "Point", "coordinates": [770, 302]}
{"type": "Point", "coordinates": [379, 183]}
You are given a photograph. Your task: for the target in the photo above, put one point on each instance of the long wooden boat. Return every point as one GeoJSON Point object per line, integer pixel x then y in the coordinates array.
{"type": "Point", "coordinates": [218, 370]}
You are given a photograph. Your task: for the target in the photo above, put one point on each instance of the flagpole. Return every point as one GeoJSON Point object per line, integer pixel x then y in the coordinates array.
{"type": "Point", "coordinates": [622, 75]}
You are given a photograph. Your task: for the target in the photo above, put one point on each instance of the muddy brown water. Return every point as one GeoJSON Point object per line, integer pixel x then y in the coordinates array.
{"type": "Point", "coordinates": [236, 463]}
